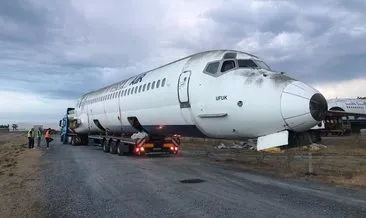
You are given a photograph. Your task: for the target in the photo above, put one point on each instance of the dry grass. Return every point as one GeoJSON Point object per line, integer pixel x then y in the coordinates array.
{"type": "Point", "coordinates": [19, 176]}
{"type": "Point", "coordinates": [343, 162]}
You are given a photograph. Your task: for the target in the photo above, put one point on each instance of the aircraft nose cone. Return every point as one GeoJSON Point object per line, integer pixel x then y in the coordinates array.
{"type": "Point", "coordinates": [318, 107]}
{"type": "Point", "coordinates": [302, 106]}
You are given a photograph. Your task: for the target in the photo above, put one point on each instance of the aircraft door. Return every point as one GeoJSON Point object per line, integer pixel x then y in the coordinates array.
{"type": "Point", "coordinates": [183, 88]}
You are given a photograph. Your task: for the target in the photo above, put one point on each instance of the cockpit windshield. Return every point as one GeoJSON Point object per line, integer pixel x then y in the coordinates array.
{"type": "Point", "coordinates": [262, 65]}
{"type": "Point", "coordinates": [249, 63]}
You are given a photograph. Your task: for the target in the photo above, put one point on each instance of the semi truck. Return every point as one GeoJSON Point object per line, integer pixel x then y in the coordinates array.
{"type": "Point", "coordinates": [139, 143]}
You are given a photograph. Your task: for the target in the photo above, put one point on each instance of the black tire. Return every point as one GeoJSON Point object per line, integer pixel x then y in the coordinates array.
{"type": "Point", "coordinates": [105, 146]}
{"type": "Point", "coordinates": [119, 146]}
{"type": "Point", "coordinates": [113, 147]}
{"type": "Point", "coordinates": [73, 140]}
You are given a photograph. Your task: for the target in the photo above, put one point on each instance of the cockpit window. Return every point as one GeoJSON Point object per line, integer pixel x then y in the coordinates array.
{"type": "Point", "coordinates": [227, 65]}
{"type": "Point", "coordinates": [212, 68]}
{"type": "Point", "coordinates": [249, 63]}
{"type": "Point", "coordinates": [262, 65]}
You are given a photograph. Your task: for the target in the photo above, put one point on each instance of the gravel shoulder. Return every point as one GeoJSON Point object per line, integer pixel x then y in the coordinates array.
{"type": "Point", "coordinates": [20, 194]}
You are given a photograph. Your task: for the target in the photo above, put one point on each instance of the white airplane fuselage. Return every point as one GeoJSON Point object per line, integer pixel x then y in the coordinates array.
{"type": "Point", "coordinates": [183, 98]}
{"type": "Point", "coordinates": [350, 105]}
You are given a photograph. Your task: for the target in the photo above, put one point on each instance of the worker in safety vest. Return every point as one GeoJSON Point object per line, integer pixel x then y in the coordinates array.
{"type": "Point", "coordinates": [48, 137]}
{"type": "Point", "coordinates": [39, 136]}
{"type": "Point", "coordinates": [31, 138]}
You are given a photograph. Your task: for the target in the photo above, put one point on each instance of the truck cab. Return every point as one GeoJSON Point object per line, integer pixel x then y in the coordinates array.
{"type": "Point", "coordinates": [65, 124]}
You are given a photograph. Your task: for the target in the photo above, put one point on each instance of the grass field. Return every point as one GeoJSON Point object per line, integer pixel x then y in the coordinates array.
{"type": "Point", "coordinates": [342, 162]}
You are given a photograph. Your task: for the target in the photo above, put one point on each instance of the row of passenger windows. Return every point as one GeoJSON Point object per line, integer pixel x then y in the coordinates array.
{"type": "Point", "coordinates": [354, 107]}
{"type": "Point", "coordinates": [127, 91]}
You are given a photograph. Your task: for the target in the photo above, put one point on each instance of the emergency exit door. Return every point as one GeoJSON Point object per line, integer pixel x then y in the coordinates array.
{"type": "Point", "coordinates": [183, 89]}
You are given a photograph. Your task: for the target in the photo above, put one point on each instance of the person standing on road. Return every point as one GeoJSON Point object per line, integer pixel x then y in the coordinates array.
{"type": "Point", "coordinates": [39, 136]}
{"type": "Point", "coordinates": [48, 137]}
{"type": "Point", "coordinates": [31, 138]}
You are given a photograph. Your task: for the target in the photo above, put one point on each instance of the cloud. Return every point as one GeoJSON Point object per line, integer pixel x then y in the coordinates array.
{"type": "Point", "coordinates": [346, 89]}
{"type": "Point", "coordinates": [59, 51]}
{"type": "Point", "coordinates": [38, 109]}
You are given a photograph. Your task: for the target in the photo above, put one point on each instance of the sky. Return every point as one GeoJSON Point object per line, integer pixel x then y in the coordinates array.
{"type": "Point", "coordinates": [52, 52]}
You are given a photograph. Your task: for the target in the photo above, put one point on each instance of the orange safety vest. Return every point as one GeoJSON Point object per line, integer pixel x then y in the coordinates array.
{"type": "Point", "coordinates": [48, 134]}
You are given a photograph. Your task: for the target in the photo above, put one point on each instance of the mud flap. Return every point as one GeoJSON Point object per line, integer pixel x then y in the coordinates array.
{"type": "Point", "coordinates": [272, 140]}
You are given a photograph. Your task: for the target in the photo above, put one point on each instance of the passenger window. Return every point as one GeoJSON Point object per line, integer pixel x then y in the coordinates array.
{"type": "Point", "coordinates": [140, 87]}
{"type": "Point", "coordinates": [163, 83]}
{"type": "Point", "coordinates": [227, 65]}
{"type": "Point", "coordinates": [148, 87]}
{"type": "Point", "coordinates": [153, 85]}
{"type": "Point", "coordinates": [136, 89]}
{"type": "Point", "coordinates": [143, 88]}
{"type": "Point", "coordinates": [158, 84]}
{"type": "Point", "coordinates": [213, 67]}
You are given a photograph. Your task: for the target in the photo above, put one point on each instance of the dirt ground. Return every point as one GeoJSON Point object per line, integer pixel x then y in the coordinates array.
{"type": "Point", "coordinates": [19, 176]}
{"type": "Point", "coordinates": [341, 162]}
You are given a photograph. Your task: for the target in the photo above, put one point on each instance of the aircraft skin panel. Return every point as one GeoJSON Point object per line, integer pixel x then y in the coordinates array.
{"type": "Point", "coordinates": [239, 103]}
{"type": "Point", "coordinates": [217, 96]}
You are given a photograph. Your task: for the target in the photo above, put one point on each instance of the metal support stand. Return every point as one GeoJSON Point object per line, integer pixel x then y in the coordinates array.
{"type": "Point", "coordinates": [310, 158]}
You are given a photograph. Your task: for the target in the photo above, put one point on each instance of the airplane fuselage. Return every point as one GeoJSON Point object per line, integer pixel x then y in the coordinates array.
{"type": "Point", "coordinates": [220, 94]}
{"type": "Point", "coordinates": [349, 105]}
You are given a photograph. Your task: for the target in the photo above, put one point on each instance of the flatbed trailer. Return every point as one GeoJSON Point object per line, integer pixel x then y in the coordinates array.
{"type": "Point", "coordinates": [140, 146]}
{"type": "Point", "coordinates": [115, 143]}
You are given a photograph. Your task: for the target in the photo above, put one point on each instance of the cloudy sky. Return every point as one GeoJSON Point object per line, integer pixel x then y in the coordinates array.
{"type": "Point", "coordinates": [51, 52]}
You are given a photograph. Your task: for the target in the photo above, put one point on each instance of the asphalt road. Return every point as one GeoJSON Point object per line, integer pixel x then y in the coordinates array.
{"type": "Point", "coordinates": [86, 182]}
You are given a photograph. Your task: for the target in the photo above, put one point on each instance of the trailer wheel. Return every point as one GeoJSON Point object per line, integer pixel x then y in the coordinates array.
{"type": "Point", "coordinates": [73, 140]}
{"type": "Point", "coordinates": [105, 146]}
{"type": "Point", "coordinates": [113, 147]}
{"type": "Point", "coordinates": [119, 146]}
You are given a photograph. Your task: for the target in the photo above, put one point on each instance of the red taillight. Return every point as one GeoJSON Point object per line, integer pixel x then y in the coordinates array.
{"type": "Point", "coordinates": [176, 148]}
{"type": "Point", "coordinates": [137, 149]}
